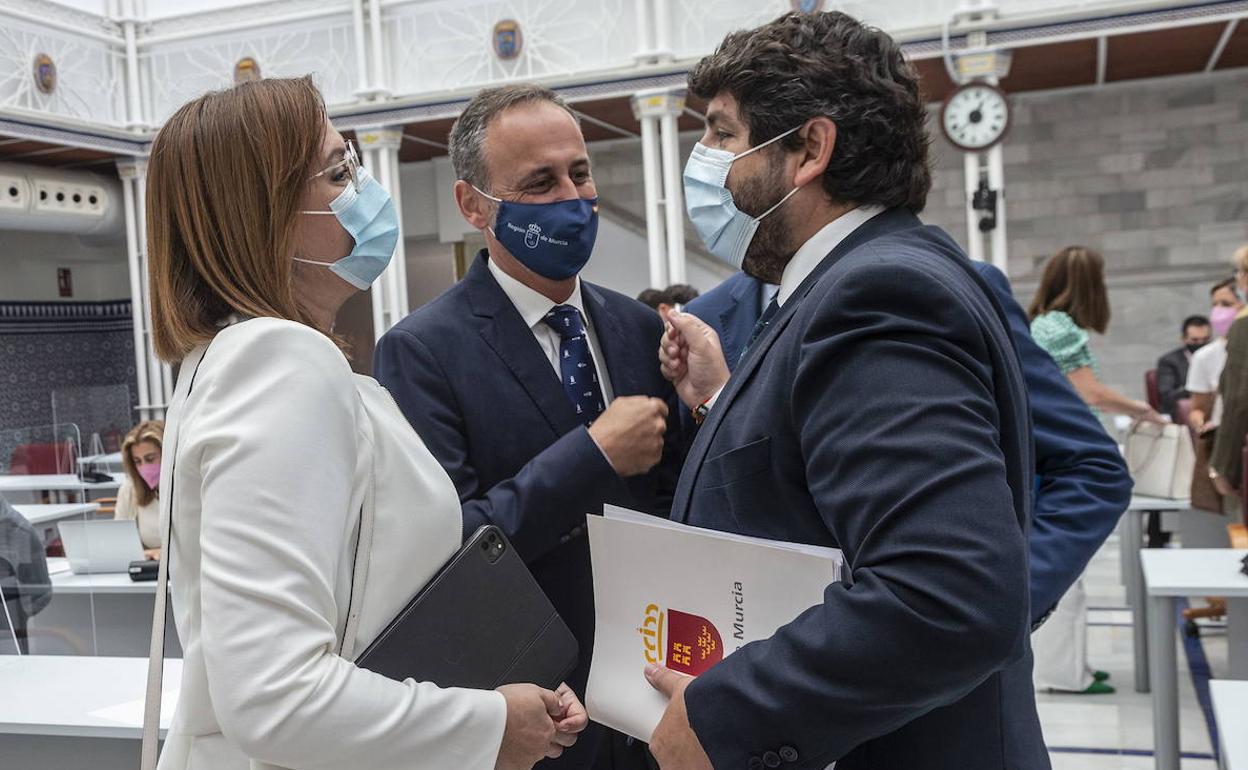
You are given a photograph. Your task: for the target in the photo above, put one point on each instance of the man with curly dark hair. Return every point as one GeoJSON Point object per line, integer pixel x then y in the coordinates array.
{"type": "Point", "coordinates": [879, 408]}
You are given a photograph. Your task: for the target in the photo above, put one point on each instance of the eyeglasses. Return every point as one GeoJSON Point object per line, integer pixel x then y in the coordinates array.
{"type": "Point", "coordinates": [350, 162]}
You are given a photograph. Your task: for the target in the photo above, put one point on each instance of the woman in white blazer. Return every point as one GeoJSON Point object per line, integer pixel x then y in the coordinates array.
{"type": "Point", "coordinates": [301, 510]}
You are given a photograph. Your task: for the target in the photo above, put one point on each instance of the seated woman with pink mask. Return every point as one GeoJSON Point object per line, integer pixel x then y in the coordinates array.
{"type": "Point", "coordinates": [139, 495]}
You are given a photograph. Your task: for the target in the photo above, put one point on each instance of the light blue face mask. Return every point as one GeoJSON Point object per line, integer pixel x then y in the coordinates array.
{"type": "Point", "coordinates": [371, 219]}
{"type": "Point", "coordinates": [725, 229]}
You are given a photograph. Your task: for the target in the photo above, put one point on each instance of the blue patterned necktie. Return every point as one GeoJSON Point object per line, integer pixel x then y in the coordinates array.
{"type": "Point", "coordinates": [764, 320]}
{"type": "Point", "coordinates": [576, 364]}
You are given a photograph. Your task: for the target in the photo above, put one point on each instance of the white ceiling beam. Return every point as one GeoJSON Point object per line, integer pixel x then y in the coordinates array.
{"type": "Point", "coordinates": [37, 153]}
{"type": "Point", "coordinates": [424, 141]}
{"type": "Point", "coordinates": [604, 124]}
{"type": "Point", "coordinates": [931, 49]}
{"type": "Point", "coordinates": [1222, 43]}
{"type": "Point", "coordinates": [86, 163]}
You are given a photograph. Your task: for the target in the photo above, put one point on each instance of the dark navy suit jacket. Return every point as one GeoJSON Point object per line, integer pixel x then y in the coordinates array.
{"type": "Point", "coordinates": [883, 412]}
{"type": "Point", "coordinates": [1082, 482]}
{"type": "Point", "coordinates": [471, 378]}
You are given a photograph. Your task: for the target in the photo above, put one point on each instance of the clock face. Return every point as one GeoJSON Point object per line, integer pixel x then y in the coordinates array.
{"type": "Point", "coordinates": [976, 116]}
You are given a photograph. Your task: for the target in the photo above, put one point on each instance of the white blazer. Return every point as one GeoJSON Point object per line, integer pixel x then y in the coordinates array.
{"type": "Point", "coordinates": [278, 447]}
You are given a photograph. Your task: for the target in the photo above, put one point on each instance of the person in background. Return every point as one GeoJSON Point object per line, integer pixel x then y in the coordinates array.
{"type": "Point", "coordinates": [1205, 370]}
{"type": "Point", "coordinates": [1203, 377]}
{"type": "Point", "coordinates": [1226, 462]}
{"type": "Point", "coordinates": [1172, 367]}
{"type": "Point", "coordinates": [25, 587]}
{"type": "Point", "coordinates": [678, 294]}
{"type": "Point", "coordinates": [1070, 300]}
{"type": "Point", "coordinates": [139, 495]}
{"type": "Point", "coordinates": [651, 298]}
{"type": "Point", "coordinates": [663, 300]}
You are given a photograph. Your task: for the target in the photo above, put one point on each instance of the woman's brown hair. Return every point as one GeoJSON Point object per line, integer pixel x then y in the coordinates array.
{"type": "Point", "coordinates": [224, 185]}
{"type": "Point", "coordinates": [1074, 282]}
{"type": "Point", "coordinates": [153, 431]}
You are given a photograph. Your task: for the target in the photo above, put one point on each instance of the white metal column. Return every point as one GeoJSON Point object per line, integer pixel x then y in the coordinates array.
{"type": "Point", "coordinates": [996, 180]}
{"type": "Point", "coordinates": [152, 376]}
{"type": "Point", "coordinates": [673, 191]}
{"type": "Point", "coordinates": [645, 35]}
{"type": "Point", "coordinates": [381, 157]}
{"type": "Point", "coordinates": [128, 171]}
{"type": "Point", "coordinates": [661, 168]}
{"type": "Point", "coordinates": [134, 98]}
{"type": "Point", "coordinates": [663, 26]}
{"type": "Point", "coordinates": [974, 238]}
{"type": "Point", "coordinates": [652, 182]}
{"type": "Point", "coordinates": [379, 87]}
{"type": "Point", "coordinates": [361, 51]}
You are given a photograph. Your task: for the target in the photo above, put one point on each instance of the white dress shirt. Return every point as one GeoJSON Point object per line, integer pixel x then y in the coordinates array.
{"type": "Point", "coordinates": [1204, 374]}
{"type": "Point", "coordinates": [534, 306]}
{"type": "Point", "coordinates": [819, 246]}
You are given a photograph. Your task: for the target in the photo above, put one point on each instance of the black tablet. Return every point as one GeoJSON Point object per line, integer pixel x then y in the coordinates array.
{"type": "Point", "coordinates": [481, 622]}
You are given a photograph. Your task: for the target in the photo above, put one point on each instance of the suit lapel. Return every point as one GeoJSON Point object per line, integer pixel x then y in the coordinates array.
{"type": "Point", "coordinates": [502, 328]}
{"type": "Point", "coordinates": [615, 345]}
{"type": "Point", "coordinates": [881, 224]}
{"type": "Point", "coordinates": [733, 318]}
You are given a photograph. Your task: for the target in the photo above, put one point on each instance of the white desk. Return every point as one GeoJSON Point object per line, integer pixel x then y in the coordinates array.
{"type": "Point", "coordinates": [61, 482]}
{"type": "Point", "coordinates": [1130, 542]}
{"type": "Point", "coordinates": [50, 513]}
{"type": "Point", "coordinates": [1230, 708]}
{"type": "Point", "coordinates": [104, 614]}
{"type": "Point", "coordinates": [1169, 574]}
{"type": "Point", "coordinates": [77, 712]}
{"type": "Point", "coordinates": [107, 460]}
{"type": "Point", "coordinates": [66, 582]}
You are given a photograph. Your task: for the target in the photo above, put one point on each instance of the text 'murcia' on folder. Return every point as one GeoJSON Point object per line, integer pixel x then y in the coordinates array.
{"type": "Point", "coordinates": [685, 597]}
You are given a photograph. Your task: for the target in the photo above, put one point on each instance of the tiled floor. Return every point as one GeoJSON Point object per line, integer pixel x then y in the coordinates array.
{"type": "Point", "coordinates": [1082, 728]}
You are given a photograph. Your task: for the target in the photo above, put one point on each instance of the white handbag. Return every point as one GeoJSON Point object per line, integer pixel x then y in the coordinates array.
{"type": "Point", "coordinates": [1161, 458]}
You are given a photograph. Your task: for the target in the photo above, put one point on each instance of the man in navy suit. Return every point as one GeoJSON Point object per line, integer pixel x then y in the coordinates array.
{"type": "Point", "coordinates": [1082, 482]}
{"type": "Point", "coordinates": [879, 409]}
{"type": "Point", "coordinates": [539, 393]}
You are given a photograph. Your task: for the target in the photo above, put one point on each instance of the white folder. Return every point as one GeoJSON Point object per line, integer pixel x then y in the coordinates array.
{"type": "Point", "coordinates": [685, 597]}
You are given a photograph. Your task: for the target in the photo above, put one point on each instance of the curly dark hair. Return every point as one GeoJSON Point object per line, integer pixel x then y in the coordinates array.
{"type": "Point", "coordinates": [804, 65]}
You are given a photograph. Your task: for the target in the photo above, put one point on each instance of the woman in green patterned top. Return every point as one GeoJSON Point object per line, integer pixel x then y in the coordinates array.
{"type": "Point", "coordinates": [1071, 300]}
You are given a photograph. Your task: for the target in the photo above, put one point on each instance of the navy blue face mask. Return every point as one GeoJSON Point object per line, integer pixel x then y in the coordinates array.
{"type": "Point", "coordinates": [552, 239]}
